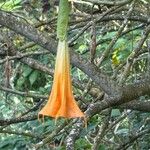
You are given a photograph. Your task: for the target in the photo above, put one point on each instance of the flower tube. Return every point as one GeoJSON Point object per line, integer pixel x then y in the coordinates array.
{"type": "Point", "coordinates": [61, 102]}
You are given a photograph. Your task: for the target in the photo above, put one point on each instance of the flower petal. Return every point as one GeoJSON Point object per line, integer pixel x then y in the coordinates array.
{"type": "Point", "coordinates": [61, 102]}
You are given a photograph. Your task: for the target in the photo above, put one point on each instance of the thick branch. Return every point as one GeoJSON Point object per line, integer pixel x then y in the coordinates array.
{"type": "Point", "coordinates": [130, 92]}
{"type": "Point", "coordinates": [137, 105]}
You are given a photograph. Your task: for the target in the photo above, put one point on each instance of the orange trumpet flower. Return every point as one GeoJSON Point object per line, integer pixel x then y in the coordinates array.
{"type": "Point", "coordinates": [61, 102]}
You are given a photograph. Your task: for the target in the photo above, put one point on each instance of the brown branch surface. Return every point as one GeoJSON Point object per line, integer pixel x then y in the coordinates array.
{"type": "Point", "coordinates": [17, 120]}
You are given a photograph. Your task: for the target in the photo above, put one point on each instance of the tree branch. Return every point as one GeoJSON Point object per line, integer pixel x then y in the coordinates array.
{"type": "Point", "coordinates": [16, 24]}
{"type": "Point", "coordinates": [28, 134]}
{"type": "Point", "coordinates": [130, 92]}
{"type": "Point", "coordinates": [136, 136]}
{"type": "Point", "coordinates": [137, 105]}
{"type": "Point", "coordinates": [26, 94]}
{"type": "Point", "coordinates": [17, 120]}
{"type": "Point", "coordinates": [109, 2]}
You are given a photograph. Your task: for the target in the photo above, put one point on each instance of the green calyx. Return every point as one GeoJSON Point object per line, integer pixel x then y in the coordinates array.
{"type": "Point", "coordinates": [62, 21]}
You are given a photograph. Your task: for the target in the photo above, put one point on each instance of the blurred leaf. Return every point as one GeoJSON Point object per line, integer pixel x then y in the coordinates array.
{"type": "Point", "coordinates": [10, 5]}
{"type": "Point", "coordinates": [102, 147]}
{"type": "Point", "coordinates": [122, 131]}
{"type": "Point", "coordinates": [20, 82]}
{"type": "Point", "coordinates": [115, 113]}
{"type": "Point", "coordinates": [82, 144]}
{"type": "Point", "coordinates": [26, 71]}
{"type": "Point", "coordinates": [33, 76]}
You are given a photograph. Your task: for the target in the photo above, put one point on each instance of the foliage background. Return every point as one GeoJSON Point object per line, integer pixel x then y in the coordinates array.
{"type": "Point", "coordinates": [27, 75]}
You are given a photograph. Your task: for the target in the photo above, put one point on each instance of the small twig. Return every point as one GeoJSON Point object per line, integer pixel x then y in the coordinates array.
{"type": "Point", "coordinates": [136, 136]}
{"type": "Point", "coordinates": [90, 23]}
{"type": "Point", "coordinates": [102, 131]}
{"type": "Point", "coordinates": [22, 55]}
{"type": "Point", "coordinates": [114, 40]}
{"type": "Point", "coordinates": [148, 57]}
{"type": "Point", "coordinates": [26, 94]}
{"type": "Point", "coordinates": [134, 54]}
{"type": "Point", "coordinates": [51, 136]}
{"type": "Point", "coordinates": [17, 120]}
{"type": "Point", "coordinates": [93, 39]}
{"type": "Point", "coordinates": [29, 134]}
{"type": "Point", "coordinates": [34, 108]}
{"type": "Point", "coordinates": [109, 2]}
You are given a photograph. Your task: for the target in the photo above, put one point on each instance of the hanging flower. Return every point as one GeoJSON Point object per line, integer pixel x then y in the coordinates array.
{"type": "Point", "coordinates": [61, 102]}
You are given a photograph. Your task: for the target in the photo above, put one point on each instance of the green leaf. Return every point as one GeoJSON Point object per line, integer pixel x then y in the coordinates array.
{"type": "Point", "coordinates": [33, 77]}
{"type": "Point", "coordinates": [115, 113]}
{"type": "Point", "coordinates": [20, 81]}
{"type": "Point", "coordinates": [122, 131]}
{"type": "Point", "coordinates": [82, 144]}
{"type": "Point", "coordinates": [101, 147]}
{"type": "Point", "coordinates": [10, 5]}
{"type": "Point", "coordinates": [27, 71]}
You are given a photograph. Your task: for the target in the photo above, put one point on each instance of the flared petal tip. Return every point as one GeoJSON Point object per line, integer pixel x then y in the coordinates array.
{"type": "Point", "coordinates": [56, 117]}
{"type": "Point", "coordinates": [67, 112]}
{"type": "Point", "coordinates": [61, 116]}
